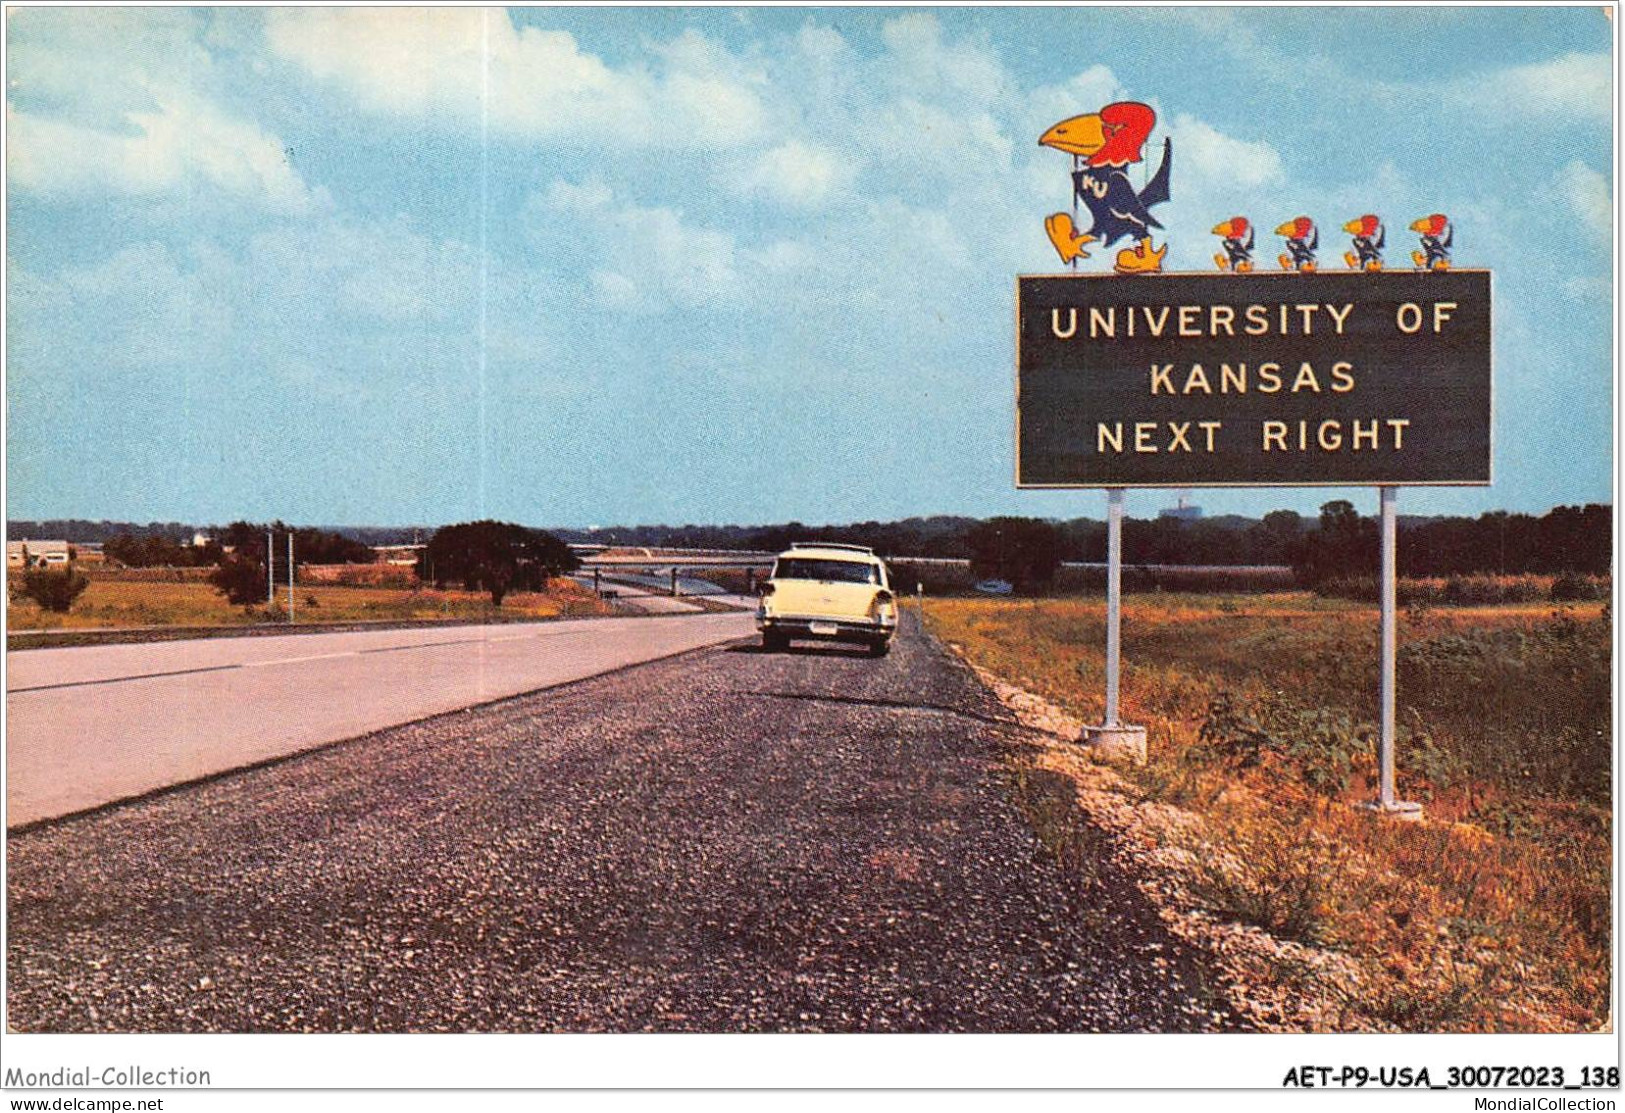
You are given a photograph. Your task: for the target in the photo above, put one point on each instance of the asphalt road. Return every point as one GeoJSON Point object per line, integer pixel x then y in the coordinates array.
{"type": "Point", "coordinates": [94, 724]}
{"type": "Point", "coordinates": [725, 841]}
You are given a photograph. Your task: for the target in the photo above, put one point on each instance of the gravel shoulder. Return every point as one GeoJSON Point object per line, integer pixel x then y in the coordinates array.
{"type": "Point", "coordinates": [726, 841]}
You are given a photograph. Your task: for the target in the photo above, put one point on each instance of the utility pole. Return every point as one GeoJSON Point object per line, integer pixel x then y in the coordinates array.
{"type": "Point", "coordinates": [290, 577]}
{"type": "Point", "coordinates": [270, 570]}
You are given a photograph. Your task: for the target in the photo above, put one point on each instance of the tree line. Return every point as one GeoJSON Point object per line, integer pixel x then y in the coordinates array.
{"type": "Point", "coordinates": [1566, 539]}
{"type": "Point", "coordinates": [247, 539]}
{"type": "Point", "coordinates": [1339, 542]}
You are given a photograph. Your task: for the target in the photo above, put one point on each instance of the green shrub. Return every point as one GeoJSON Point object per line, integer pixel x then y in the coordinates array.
{"type": "Point", "coordinates": [1281, 875]}
{"type": "Point", "coordinates": [1521, 708]}
{"type": "Point", "coordinates": [1483, 590]}
{"type": "Point", "coordinates": [55, 591]}
{"type": "Point", "coordinates": [242, 580]}
{"type": "Point", "coordinates": [1574, 587]}
{"type": "Point", "coordinates": [1322, 743]}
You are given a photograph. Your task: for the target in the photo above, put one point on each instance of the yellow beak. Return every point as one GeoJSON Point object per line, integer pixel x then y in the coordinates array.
{"type": "Point", "coordinates": [1081, 135]}
{"type": "Point", "coordinates": [1353, 227]}
{"type": "Point", "coordinates": [1424, 225]}
{"type": "Point", "coordinates": [1290, 228]}
{"type": "Point", "coordinates": [1222, 229]}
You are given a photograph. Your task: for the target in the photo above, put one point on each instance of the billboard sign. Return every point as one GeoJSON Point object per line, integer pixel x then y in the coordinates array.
{"type": "Point", "coordinates": [1231, 379]}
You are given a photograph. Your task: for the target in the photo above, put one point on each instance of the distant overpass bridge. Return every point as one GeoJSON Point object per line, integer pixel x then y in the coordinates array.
{"type": "Point", "coordinates": [630, 559]}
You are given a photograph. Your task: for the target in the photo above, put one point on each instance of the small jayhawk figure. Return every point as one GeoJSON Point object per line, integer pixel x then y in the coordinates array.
{"type": "Point", "coordinates": [1437, 234]}
{"type": "Point", "coordinates": [1369, 237]}
{"type": "Point", "coordinates": [1302, 241]}
{"type": "Point", "coordinates": [1237, 254]}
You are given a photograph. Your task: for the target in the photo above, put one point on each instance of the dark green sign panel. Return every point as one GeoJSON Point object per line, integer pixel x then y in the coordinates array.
{"type": "Point", "coordinates": [1288, 379]}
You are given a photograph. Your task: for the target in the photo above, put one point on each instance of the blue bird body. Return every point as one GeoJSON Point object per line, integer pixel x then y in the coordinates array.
{"type": "Point", "coordinates": [1237, 251]}
{"type": "Point", "coordinates": [1118, 209]}
{"type": "Point", "coordinates": [1368, 249]}
{"type": "Point", "coordinates": [1303, 251]}
{"type": "Point", "coordinates": [1437, 249]}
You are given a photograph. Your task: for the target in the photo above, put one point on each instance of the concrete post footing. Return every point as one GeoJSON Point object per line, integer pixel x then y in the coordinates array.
{"type": "Point", "coordinates": [1115, 742]}
{"type": "Point", "coordinates": [1407, 810]}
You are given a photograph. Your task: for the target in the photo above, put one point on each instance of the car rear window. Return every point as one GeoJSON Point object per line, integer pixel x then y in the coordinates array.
{"type": "Point", "coordinates": [840, 571]}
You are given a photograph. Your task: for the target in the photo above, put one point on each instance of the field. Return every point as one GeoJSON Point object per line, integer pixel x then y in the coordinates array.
{"type": "Point", "coordinates": [1491, 915]}
{"type": "Point", "coordinates": [119, 602]}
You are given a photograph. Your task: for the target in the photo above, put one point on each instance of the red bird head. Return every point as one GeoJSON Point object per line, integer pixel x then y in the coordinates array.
{"type": "Point", "coordinates": [1127, 125]}
{"type": "Point", "coordinates": [1431, 225]}
{"type": "Point", "coordinates": [1365, 226]}
{"type": "Point", "coordinates": [1297, 228]}
{"type": "Point", "coordinates": [1232, 229]}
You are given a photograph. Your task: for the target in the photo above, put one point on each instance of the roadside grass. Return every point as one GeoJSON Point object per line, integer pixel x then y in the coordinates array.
{"type": "Point", "coordinates": [1492, 915]}
{"type": "Point", "coordinates": [119, 603]}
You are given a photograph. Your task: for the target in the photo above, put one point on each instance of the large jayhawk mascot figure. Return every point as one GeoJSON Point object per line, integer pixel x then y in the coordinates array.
{"type": "Point", "coordinates": [1103, 144]}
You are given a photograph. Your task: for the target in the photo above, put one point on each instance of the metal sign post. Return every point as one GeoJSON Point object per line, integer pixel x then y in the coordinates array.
{"type": "Point", "coordinates": [1114, 738]}
{"type": "Point", "coordinates": [1386, 802]}
{"type": "Point", "coordinates": [290, 576]}
{"type": "Point", "coordinates": [270, 570]}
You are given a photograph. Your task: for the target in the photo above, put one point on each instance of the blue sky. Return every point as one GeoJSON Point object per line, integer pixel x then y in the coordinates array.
{"type": "Point", "coordinates": [588, 266]}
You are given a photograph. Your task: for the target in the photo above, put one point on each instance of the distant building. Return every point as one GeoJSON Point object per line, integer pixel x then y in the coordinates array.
{"type": "Point", "coordinates": [1184, 512]}
{"type": "Point", "coordinates": [401, 555]}
{"type": "Point", "coordinates": [200, 539]}
{"type": "Point", "coordinates": [37, 554]}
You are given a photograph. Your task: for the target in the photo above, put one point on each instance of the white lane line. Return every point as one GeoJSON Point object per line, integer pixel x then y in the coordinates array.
{"type": "Point", "coordinates": [297, 660]}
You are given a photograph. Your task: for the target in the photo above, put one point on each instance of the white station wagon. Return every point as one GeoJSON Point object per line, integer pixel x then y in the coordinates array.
{"type": "Point", "coordinates": [828, 592]}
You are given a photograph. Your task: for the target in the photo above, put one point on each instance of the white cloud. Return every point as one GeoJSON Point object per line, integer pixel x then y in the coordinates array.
{"type": "Point", "coordinates": [1087, 91]}
{"type": "Point", "coordinates": [926, 144]}
{"type": "Point", "coordinates": [1588, 195]}
{"type": "Point", "coordinates": [649, 259]}
{"type": "Point", "coordinates": [1574, 85]}
{"type": "Point", "coordinates": [925, 64]}
{"type": "Point", "coordinates": [1212, 156]}
{"type": "Point", "coordinates": [473, 65]}
{"type": "Point", "coordinates": [183, 142]}
{"type": "Point", "coordinates": [126, 103]}
{"type": "Point", "coordinates": [796, 173]}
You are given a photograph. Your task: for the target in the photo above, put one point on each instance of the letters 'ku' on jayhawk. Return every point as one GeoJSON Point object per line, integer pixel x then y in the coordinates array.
{"type": "Point", "coordinates": [1106, 142]}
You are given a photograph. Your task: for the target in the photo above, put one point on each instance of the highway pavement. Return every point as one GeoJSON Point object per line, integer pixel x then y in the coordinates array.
{"type": "Point", "coordinates": [728, 840]}
{"type": "Point", "coordinates": [90, 725]}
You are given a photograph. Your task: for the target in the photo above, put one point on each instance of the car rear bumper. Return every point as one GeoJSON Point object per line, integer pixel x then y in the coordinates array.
{"type": "Point", "coordinates": [828, 629]}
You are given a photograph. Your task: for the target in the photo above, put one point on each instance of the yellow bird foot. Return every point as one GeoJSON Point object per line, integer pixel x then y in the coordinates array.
{"type": "Point", "coordinates": [1442, 265]}
{"type": "Point", "coordinates": [1374, 265]}
{"type": "Point", "coordinates": [1352, 260]}
{"type": "Point", "coordinates": [1419, 259]}
{"type": "Point", "coordinates": [1066, 239]}
{"type": "Point", "coordinates": [1310, 267]}
{"type": "Point", "coordinates": [1245, 266]}
{"type": "Point", "coordinates": [1286, 262]}
{"type": "Point", "coordinates": [1223, 261]}
{"type": "Point", "coordinates": [1142, 258]}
